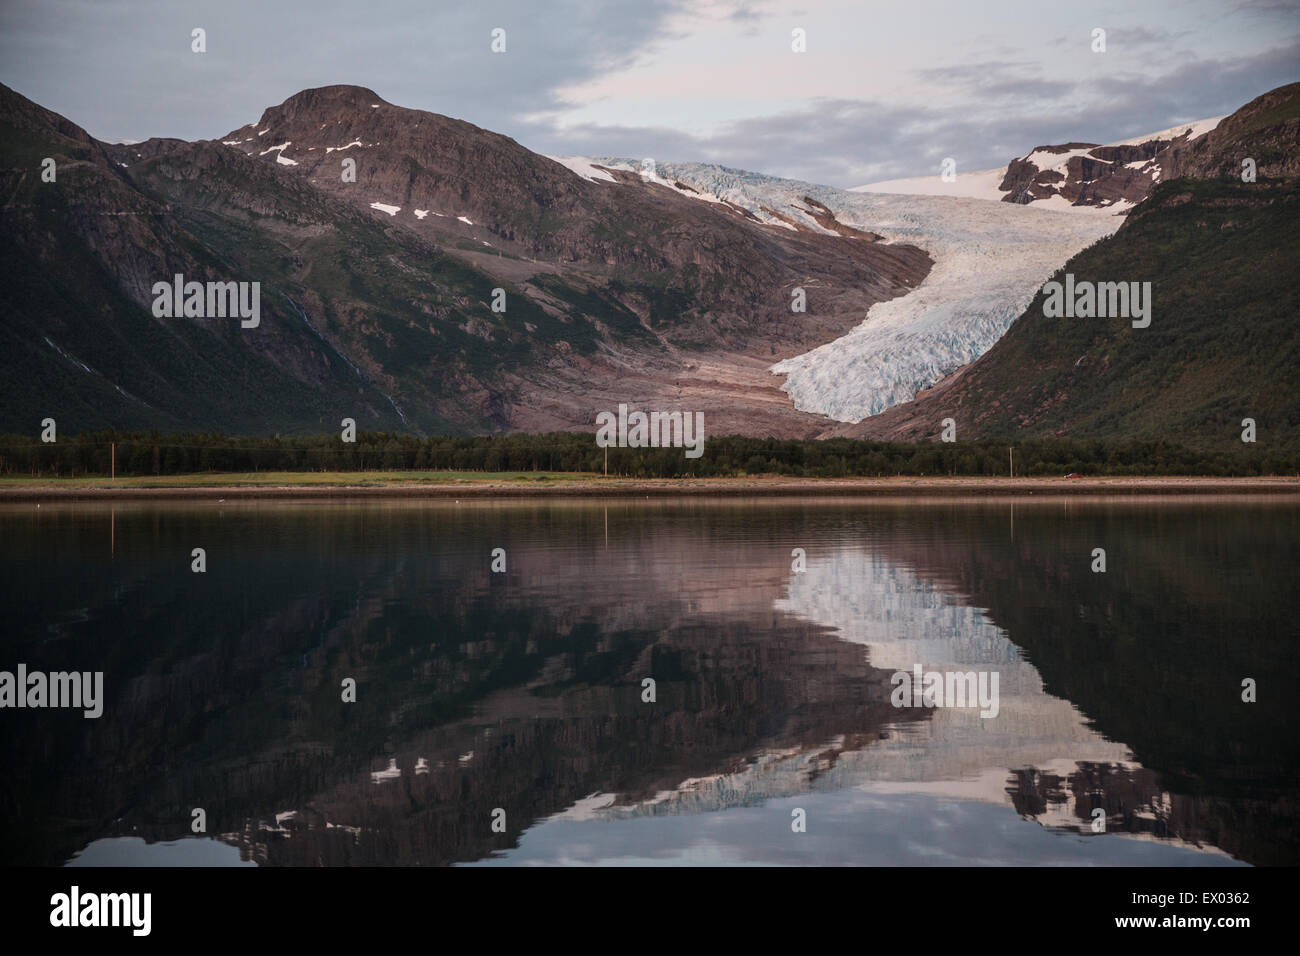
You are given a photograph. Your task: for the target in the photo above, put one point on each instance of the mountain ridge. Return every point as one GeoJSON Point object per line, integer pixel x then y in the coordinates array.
{"type": "Point", "coordinates": [668, 286]}
{"type": "Point", "coordinates": [1088, 177]}
{"type": "Point", "coordinates": [643, 297]}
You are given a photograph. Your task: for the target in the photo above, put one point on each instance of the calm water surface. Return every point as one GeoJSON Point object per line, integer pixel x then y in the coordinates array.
{"type": "Point", "coordinates": [518, 695]}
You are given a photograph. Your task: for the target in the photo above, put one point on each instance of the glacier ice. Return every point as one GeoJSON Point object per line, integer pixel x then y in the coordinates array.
{"type": "Point", "coordinates": [990, 259]}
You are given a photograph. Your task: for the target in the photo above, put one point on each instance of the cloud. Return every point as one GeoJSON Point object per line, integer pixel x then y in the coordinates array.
{"type": "Point", "coordinates": [884, 92]}
{"type": "Point", "coordinates": [994, 79]}
{"type": "Point", "coordinates": [1268, 7]}
{"type": "Point", "coordinates": [126, 70]}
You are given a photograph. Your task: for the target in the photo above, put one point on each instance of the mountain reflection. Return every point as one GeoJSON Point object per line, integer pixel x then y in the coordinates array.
{"type": "Point", "coordinates": [518, 696]}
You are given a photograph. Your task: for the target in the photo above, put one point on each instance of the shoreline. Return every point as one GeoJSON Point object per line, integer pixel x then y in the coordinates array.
{"type": "Point", "coordinates": [667, 488]}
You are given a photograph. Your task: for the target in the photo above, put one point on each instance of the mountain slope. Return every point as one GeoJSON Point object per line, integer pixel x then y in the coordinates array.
{"type": "Point", "coordinates": [709, 281]}
{"type": "Point", "coordinates": [621, 290]}
{"type": "Point", "coordinates": [78, 258]}
{"type": "Point", "coordinates": [1223, 343]}
{"type": "Point", "coordinates": [1265, 130]}
{"type": "Point", "coordinates": [703, 274]}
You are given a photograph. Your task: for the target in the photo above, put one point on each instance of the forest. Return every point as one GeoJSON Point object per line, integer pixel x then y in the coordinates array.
{"type": "Point", "coordinates": [139, 453]}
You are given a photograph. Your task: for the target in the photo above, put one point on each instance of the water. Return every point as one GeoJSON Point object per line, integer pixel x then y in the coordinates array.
{"type": "Point", "coordinates": [517, 697]}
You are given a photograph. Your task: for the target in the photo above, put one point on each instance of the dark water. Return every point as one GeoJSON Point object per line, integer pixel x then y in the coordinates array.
{"type": "Point", "coordinates": [518, 696]}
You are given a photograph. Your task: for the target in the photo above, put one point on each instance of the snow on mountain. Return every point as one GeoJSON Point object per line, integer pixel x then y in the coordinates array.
{"type": "Point", "coordinates": [650, 174]}
{"type": "Point", "coordinates": [1190, 130]}
{"type": "Point", "coordinates": [990, 259]}
{"type": "Point", "coordinates": [978, 185]}
{"type": "Point", "coordinates": [584, 167]}
{"type": "Point", "coordinates": [1046, 172]}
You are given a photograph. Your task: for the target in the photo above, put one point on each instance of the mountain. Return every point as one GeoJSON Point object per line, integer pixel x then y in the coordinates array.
{"type": "Point", "coordinates": [1074, 176]}
{"type": "Point", "coordinates": [990, 259]}
{"type": "Point", "coordinates": [1223, 342]}
{"type": "Point", "coordinates": [377, 294]}
{"type": "Point", "coordinates": [666, 288]}
{"type": "Point", "coordinates": [78, 257]}
{"type": "Point", "coordinates": [1086, 174]}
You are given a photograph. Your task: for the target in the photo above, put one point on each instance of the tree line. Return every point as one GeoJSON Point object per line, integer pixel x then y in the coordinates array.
{"type": "Point", "coordinates": [141, 453]}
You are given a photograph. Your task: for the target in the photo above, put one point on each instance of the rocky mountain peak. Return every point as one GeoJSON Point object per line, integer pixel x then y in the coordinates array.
{"type": "Point", "coordinates": [1118, 175]}
{"type": "Point", "coordinates": [1266, 130]}
{"type": "Point", "coordinates": [325, 102]}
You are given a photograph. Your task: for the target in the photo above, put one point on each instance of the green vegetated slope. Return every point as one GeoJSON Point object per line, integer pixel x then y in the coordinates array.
{"type": "Point", "coordinates": [1222, 344]}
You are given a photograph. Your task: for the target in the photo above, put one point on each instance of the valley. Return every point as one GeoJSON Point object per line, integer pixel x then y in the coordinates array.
{"type": "Point", "coordinates": [422, 275]}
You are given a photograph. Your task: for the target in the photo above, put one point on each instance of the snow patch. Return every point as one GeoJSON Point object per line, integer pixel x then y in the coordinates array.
{"type": "Point", "coordinates": [983, 184]}
{"type": "Point", "coordinates": [384, 207]}
{"type": "Point", "coordinates": [670, 182]}
{"type": "Point", "coordinates": [1045, 159]}
{"type": "Point", "coordinates": [584, 167]}
{"type": "Point", "coordinates": [355, 142]}
{"type": "Point", "coordinates": [464, 220]}
{"type": "Point", "coordinates": [283, 161]}
{"type": "Point", "coordinates": [421, 213]}
{"type": "Point", "coordinates": [1196, 128]}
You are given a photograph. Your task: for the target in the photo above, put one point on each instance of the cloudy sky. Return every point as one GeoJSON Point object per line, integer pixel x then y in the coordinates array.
{"type": "Point", "coordinates": [884, 89]}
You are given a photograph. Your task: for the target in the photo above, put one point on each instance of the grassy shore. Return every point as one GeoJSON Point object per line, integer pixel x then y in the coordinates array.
{"type": "Point", "coordinates": [280, 479]}
{"type": "Point", "coordinates": [450, 484]}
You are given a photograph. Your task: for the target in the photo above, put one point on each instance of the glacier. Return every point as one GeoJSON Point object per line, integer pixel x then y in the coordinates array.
{"type": "Point", "coordinates": [990, 260]}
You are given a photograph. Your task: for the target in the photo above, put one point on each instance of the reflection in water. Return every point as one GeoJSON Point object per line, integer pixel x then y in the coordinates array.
{"type": "Point", "coordinates": [133, 851]}
{"type": "Point", "coordinates": [518, 696]}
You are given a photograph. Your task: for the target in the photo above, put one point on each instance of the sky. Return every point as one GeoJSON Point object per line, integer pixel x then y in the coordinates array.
{"type": "Point", "coordinates": [881, 90]}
